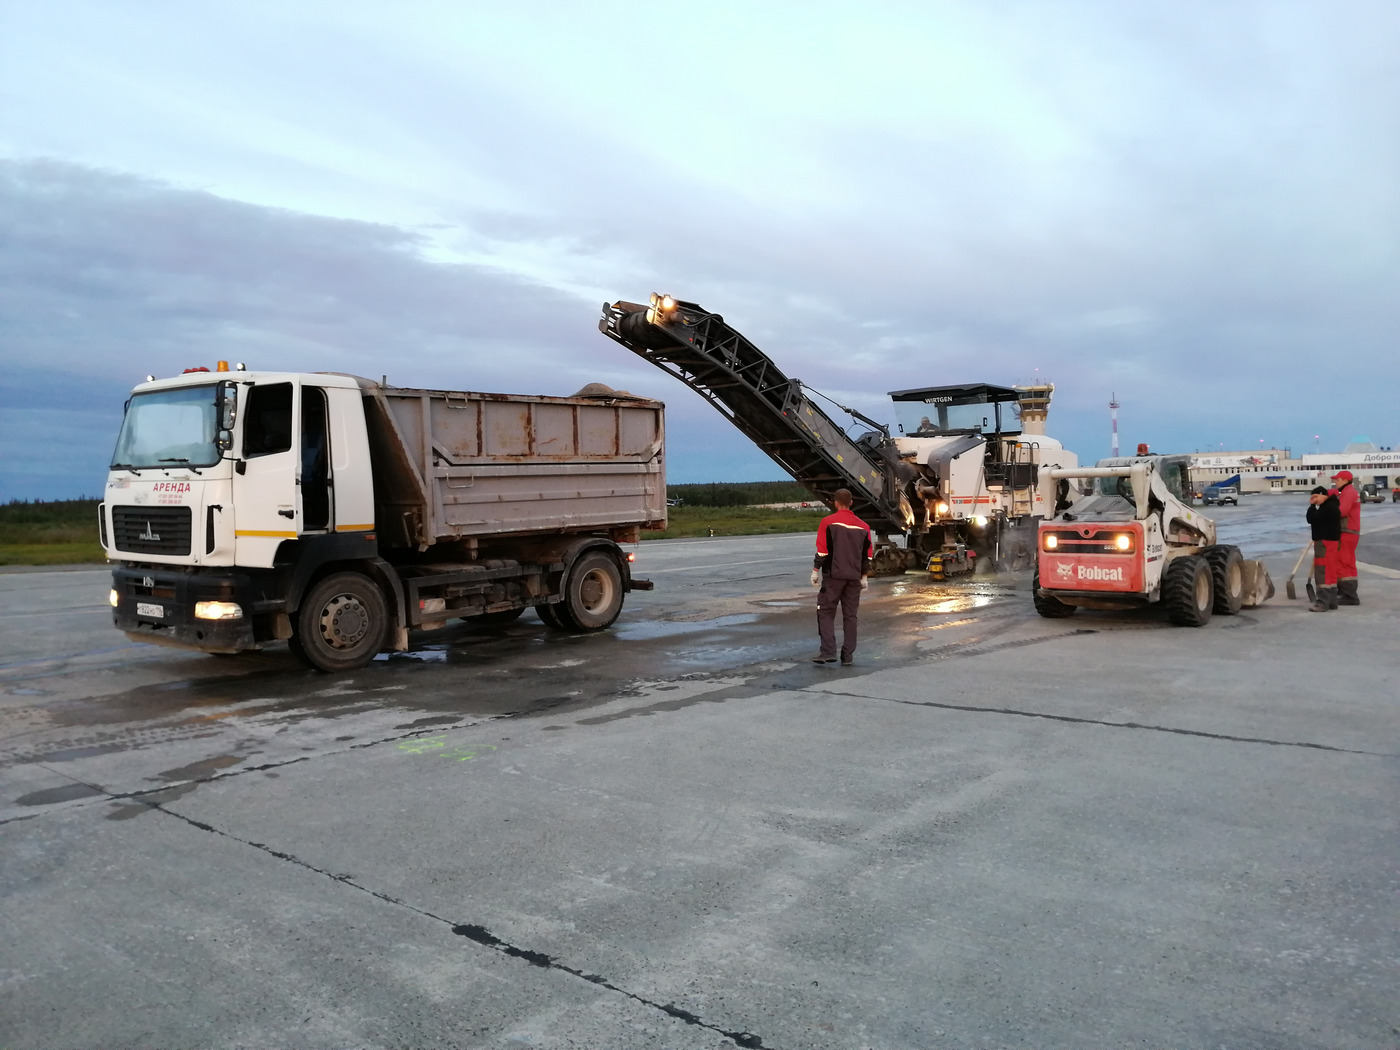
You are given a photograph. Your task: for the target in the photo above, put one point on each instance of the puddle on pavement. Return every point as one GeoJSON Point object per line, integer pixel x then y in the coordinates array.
{"type": "Point", "coordinates": [52, 796]}
{"type": "Point", "coordinates": [649, 629]}
{"type": "Point", "coordinates": [435, 654]}
{"type": "Point", "coordinates": [205, 767]}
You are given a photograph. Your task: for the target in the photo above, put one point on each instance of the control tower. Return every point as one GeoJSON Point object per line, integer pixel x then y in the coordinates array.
{"type": "Point", "coordinates": [1035, 405]}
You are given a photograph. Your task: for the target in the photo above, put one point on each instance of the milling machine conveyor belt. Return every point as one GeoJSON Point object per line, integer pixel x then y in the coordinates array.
{"type": "Point", "coordinates": [740, 380]}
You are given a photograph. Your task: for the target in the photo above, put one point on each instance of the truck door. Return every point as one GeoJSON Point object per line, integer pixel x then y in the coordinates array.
{"type": "Point", "coordinates": [266, 507]}
{"type": "Point", "coordinates": [315, 480]}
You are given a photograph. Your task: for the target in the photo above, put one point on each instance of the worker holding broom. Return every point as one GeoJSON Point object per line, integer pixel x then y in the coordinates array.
{"type": "Point", "coordinates": [1325, 517]}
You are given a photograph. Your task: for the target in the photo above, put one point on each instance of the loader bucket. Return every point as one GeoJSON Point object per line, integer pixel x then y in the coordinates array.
{"type": "Point", "coordinates": [1258, 587]}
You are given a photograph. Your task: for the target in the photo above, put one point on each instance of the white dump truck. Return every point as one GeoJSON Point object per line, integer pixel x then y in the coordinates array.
{"type": "Point", "coordinates": [338, 513]}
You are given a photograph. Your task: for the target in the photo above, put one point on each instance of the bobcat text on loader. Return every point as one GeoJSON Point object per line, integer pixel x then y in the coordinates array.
{"type": "Point", "coordinates": [1132, 540]}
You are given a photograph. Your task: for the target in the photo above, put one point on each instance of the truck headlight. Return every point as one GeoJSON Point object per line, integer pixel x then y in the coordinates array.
{"type": "Point", "coordinates": [941, 509]}
{"type": "Point", "coordinates": [112, 597]}
{"type": "Point", "coordinates": [979, 520]}
{"type": "Point", "coordinates": [217, 611]}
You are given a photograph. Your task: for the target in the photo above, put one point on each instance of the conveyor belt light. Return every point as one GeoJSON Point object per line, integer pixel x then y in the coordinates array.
{"type": "Point", "coordinates": [217, 611]}
{"type": "Point", "coordinates": [112, 597]}
{"type": "Point", "coordinates": [1051, 541]}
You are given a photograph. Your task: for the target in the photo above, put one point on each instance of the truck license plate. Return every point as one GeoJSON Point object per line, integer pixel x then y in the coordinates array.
{"type": "Point", "coordinates": [149, 609]}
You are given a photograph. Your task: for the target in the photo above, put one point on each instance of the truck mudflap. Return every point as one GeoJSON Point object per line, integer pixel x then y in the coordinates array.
{"type": "Point", "coordinates": [635, 584]}
{"type": "Point", "coordinates": [159, 606]}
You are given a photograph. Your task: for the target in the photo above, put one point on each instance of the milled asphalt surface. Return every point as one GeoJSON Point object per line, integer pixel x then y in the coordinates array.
{"type": "Point", "coordinates": [994, 831]}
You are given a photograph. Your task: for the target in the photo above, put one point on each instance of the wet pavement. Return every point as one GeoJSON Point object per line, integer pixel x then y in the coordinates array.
{"type": "Point", "coordinates": [995, 830]}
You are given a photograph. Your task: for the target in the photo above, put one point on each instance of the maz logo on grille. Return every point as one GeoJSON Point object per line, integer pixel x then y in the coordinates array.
{"type": "Point", "coordinates": [152, 530]}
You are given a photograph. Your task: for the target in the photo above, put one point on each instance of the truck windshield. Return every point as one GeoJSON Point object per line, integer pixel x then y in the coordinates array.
{"type": "Point", "coordinates": [920, 419]}
{"type": "Point", "coordinates": [170, 428]}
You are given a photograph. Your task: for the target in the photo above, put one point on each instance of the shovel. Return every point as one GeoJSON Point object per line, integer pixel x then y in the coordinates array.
{"type": "Point", "coordinates": [1288, 587]}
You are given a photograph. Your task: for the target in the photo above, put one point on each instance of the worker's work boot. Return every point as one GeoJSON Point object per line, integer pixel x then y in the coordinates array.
{"type": "Point", "coordinates": [1346, 592]}
{"type": "Point", "coordinates": [1326, 600]}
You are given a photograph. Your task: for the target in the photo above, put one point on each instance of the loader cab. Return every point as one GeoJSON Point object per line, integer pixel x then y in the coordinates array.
{"type": "Point", "coordinates": [971, 408]}
{"type": "Point", "coordinates": [1175, 472]}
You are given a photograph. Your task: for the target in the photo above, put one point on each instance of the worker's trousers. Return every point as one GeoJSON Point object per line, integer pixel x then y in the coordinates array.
{"type": "Point", "coordinates": [846, 594]}
{"type": "Point", "coordinates": [1326, 560]}
{"type": "Point", "coordinates": [1346, 555]}
{"type": "Point", "coordinates": [1347, 583]}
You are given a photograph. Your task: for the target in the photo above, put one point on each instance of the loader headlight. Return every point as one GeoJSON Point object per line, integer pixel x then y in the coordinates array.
{"type": "Point", "coordinates": [1051, 541]}
{"type": "Point", "coordinates": [218, 611]}
{"type": "Point", "coordinates": [1123, 541]}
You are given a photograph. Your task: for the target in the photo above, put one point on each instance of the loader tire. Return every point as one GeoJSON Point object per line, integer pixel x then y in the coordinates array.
{"type": "Point", "coordinates": [1188, 591]}
{"type": "Point", "coordinates": [1049, 606]}
{"type": "Point", "coordinates": [1227, 575]}
{"type": "Point", "coordinates": [341, 623]}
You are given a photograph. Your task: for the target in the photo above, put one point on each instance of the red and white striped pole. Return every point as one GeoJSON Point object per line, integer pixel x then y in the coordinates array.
{"type": "Point", "coordinates": [1113, 412]}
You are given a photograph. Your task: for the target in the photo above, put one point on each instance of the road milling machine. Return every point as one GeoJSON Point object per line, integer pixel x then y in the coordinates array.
{"type": "Point", "coordinates": [962, 484]}
{"type": "Point", "coordinates": [1133, 540]}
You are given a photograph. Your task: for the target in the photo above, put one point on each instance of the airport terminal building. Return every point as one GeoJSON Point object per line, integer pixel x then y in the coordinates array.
{"type": "Point", "coordinates": [1276, 470]}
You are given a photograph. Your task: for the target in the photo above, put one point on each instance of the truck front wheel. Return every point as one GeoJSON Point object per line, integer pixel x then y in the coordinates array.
{"type": "Point", "coordinates": [341, 623]}
{"type": "Point", "coordinates": [592, 594]}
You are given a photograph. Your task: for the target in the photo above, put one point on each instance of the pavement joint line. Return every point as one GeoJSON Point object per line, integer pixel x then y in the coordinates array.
{"type": "Point", "coordinates": [973, 646]}
{"type": "Point", "coordinates": [477, 934]}
{"type": "Point", "coordinates": [1228, 737]}
{"type": "Point", "coordinates": [141, 796]}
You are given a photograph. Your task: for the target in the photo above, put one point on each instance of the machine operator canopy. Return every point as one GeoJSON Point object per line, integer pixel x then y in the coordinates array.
{"type": "Point", "coordinates": [972, 408]}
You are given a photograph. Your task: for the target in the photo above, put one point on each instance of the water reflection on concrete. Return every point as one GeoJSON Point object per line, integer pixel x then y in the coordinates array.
{"type": "Point", "coordinates": [646, 629]}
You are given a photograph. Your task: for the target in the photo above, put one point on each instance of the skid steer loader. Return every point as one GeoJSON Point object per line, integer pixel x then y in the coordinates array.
{"type": "Point", "coordinates": [1132, 540]}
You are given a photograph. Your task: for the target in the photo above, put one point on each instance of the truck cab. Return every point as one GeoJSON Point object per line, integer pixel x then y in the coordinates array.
{"type": "Point", "coordinates": [217, 471]}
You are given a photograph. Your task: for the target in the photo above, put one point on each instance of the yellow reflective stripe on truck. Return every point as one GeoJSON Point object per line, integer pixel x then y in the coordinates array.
{"type": "Point", "coordinates": [265, 532]}
{"type": "Point", "coordinates": [354, 528]}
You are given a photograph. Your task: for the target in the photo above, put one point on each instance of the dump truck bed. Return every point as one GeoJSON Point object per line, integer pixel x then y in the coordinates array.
{"type": "Point", "coordinates": [456, 465]}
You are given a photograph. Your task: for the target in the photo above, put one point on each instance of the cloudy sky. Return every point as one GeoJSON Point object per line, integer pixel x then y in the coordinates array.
{"type": "Point", "coordinates": [1193, 205]}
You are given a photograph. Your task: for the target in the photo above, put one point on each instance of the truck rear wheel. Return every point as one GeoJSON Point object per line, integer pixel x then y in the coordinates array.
{"type": "Point", "coordinates": [1227, 575]}
{"type": "Point", "coordinates": [341, 623]}
{"type": "Point", "coordinates": [1188, 591]}
{"type": "Point", "coordinates": [592, 594]}
{"type": "Point", "coordinates": [549, 616]}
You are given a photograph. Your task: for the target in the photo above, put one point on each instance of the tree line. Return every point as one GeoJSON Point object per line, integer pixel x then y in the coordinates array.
{"type": "Point", "coordinates": [737, 493]}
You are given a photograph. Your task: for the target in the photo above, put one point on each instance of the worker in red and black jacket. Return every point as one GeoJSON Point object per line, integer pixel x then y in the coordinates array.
{"type": "Point", "coordinates": [1325, 517]}
{"type": "Point", "coordinates": [1350, 503]}
{"type": "Point", "coordinates": [841, 570]}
